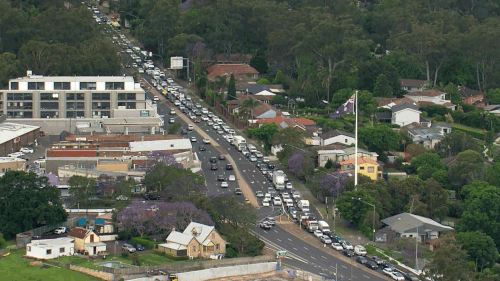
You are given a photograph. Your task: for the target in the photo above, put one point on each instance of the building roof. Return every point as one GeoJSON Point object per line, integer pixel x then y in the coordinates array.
{"type": "Point", "coordinates": [426, 93]}
{"type": "Point", "coordinates": [263, 108]}
{"type": "Point", "coordinates": [360, 161]}
{"type": "Point", "coordinates": [404, 106]}
{"type": "Point", "coordinates": [11, 160]}
{"type": "Point", "coordinates": [412, 83]}
{"type": "Point", "coordinates": [351, 150]}
{"type": "Point", "coordinates": [179, 238]}
{"type": "Point", "coordinates": [276, 120]}
{"type": "Point", "coordinates": [392, 101]}
{"type": "Point", "coordinates": [10, 131]}
{"type": "Point", "coordinates": [173, 246]}
{"type": "Point", "coordinates": [304, 121]}
{"type": "Point", "coordinates": [41, 78]}
{"type": "Point", "coordinates": [50, 243]}
{"type": "Point", "coordinates": [199, 231]}
{"type": "Point", "coordinates": [78, 232]}
{"type": "Point", "coordinates": [161, 145]}
{"type": "Point", "coordinates": [224, 58]}
{"type": "Point", "coordinates": [256, 88]}
{"type": "Point", "coordinates": [228, 69]}
{"type": "Point", "coordinates": [265, 93]}
{"type": "Point", "coordinates": [335, 133]}
{"type": "Point", "coordinates": [468, 92]}
{"type": "Point", "coordinates": [384, 115]}
{"type": "Point", "coordinates": [406, 222]}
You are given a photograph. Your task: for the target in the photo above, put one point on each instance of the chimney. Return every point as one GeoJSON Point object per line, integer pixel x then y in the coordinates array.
{"type": "Point", "coordinates": [173, 228]}
{"type": "Point", "coordinates": [29, 73]}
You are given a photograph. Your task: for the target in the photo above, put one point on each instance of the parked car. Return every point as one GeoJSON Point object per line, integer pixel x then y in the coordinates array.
{"type": "Point", "coordinates": [61, 230]}
{"type": "Point", "coordinates": [377, 260]}
{"type": "Point", "coordinates": [128, 247]}
{"type": "Point", "coordinates": [16, 154]}
{"type": "Point", "coordinates": [27, 150]}
{"type": "Point", "coordinates": [122, 198]}
{"type": "Point", "coordinates": [138, 247]}
{"type": "Point", "coordinates": [337, 246]}
{"type": "Point", "coordinates": [361, 260]}
{"type": "Point", "coordinates": [348, 253]}
{"type": "Point", "coordinates": [372, 265]}
{"type": "Point", "coordinates": [150, 196]}
{"type": "Point", "coordinates": [410, 276]}
{"type": "Point", "coordinates": [394, 275]}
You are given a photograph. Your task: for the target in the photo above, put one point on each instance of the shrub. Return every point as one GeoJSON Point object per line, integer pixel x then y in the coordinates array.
{"type": "Point", "coordinates": [169, 255]}
{"type": "Point", "coordinates": [474, 134]}
{"type": "Point", "coordinates": [231, 253]}
{"type": "Point", "coordinates": [144, 242]}
{"type": "Point", "coordinates": [2, 241]}
{"type": "Point", "coordinates": [134, 258]}
{"type": "Point", "coordinates": [124, 255]}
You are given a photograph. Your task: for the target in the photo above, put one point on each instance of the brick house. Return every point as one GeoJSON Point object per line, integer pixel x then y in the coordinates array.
{"type": "Point", "coordinates": [228, 69]}
{"type": "Point", "coordinates": [472, 97]}
{"type": "Point", "coordinates": [86, 241]}
{"type": "Point", "coordinates": [412, 85]}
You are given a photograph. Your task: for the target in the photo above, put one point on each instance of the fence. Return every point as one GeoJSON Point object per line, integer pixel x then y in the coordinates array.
{"type": "Point", "coordinates": [71, 222]}
{"type": "Point", "coordinates": [227, 114]}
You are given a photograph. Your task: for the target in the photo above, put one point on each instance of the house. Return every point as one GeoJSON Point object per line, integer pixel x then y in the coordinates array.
{"type": "Point", "coordinates": [404, 114]}
{"type": "Point", "coordinates": [430, 97]}
{"type": "Point", "coordinates": [390, 102]}
{"type": "Point", "coordinates": [233, 58]}
{"type": "Point", "coordinates": [228, 69]}
{"type": "Point", "coordinates": [412, 85]}
{"type": "Point", "coordinates": [196, 241]}
{"type": "Point", "coordinates": [264, 110]}
{"type": "Point", "coordinates": [337, 136]}
{"type": "Point", "coordinates": [366, 166]}
{"type": "Point", "coordinates": [281, 122]}
{"type": "Point", "coordinates": [412, 226]}
{"type": "Point", "coordinates": [50, 248]}
{"type": "Point", "coordinates": [266, 93]}
{"type": "Point", "coordinates": [338, 153]}
{"type": "Point", "coordinates": [86, 241]}
{"type": "Point", "coordinates": [493, 109]}
{"type": "Point", "coordinates": [256, 88]}
{"type": "Point", "coordinates": [427, 136]}
{"type": "Point", "coordinates": [472, 97]}
{"type": "Point", "coordinates": [104, 223]}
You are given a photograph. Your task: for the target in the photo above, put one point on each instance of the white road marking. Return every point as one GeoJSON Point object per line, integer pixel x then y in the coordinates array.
{"type": "Point", "coordinates": [313, 258]}
{"type": "Point", "coordinates": [366, 276]}
{"type": "Point", "coordinates": [295, 249]}
{"type": "Point", "coordinates": [289, 239]}
{"type": "Point", "coordinates": [275, 231]}
{"type": "Point", "coordinates": [278, 239]}
{"type": "Point", "coordinates": [344, 266]}
{"type": "Point", "coordinates": [324, 257]}
{"type": "Point", "coordinates": [306, 248]}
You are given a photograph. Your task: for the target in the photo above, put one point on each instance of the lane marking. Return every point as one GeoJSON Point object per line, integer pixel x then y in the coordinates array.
{"type": "Point", "coordinates": [344, 266]}
{"type": "Point", "coordinates": [366, 276]}
{"type": "Point", "coordinates": [295, 249]}
{"type": "Point", "coordinates": [324, 257]}
{"type": "Point", "coordinates": [278, 239]}
{"type": "Point", "coordinates": [289, 239]}
{"type": "Point", "coordinates": [313, 257]}
{"type": "Point", "coordinates": [306, 248]}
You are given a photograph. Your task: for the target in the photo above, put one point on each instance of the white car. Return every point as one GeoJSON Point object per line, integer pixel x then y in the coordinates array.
{"type": "Point", "coordinates": [259, 194]}
{"type": "Point", "coordinates": [231, 178]}
{"type": "Point", "coordinates": [337, 246]}
{"type": "Point", "coordinates": [216, 127]}
{"type": "Point", "coordinates": [60, 230]}
{"type": "Point", "coordinates": [347, 245]}
{"type": "Point", "coordinates": [266, 203]}
{"type": "Point", "coordinates": [289, 185]}
{"type": "Point", "coordinates": [16, 154]}
{"type": "Point", "coordinates": [27, 150]}
{"type": "Point", "coordinates": [141, 70]}
{"type": "Point", "coordinates": [190, 127]}
{"type": "Point", "coordinates": [224, 184]}
{"type": "Point", "coordinates": [267, 196]}
{"type": "Point", "coordinates": [206, 141]}
{"type": "Point", "coordinates": [265, 159]}
{"type": "Point", "coordinates": [171, 121]}
{"type": "Point", "coordinates": [277, 201]}
{"type": "Point", "coordinates": [394, 275]}
{"type": "Point", "coordinates": [318, 233]}
{"type": "Point", "coordinates": [193, 139]}
{"type": "Point", "coordinates": [204, 118]}
{"type": "Point", "coordinates": [253, 158]}
{"type": "Point", "coordinates": [177, 103]}
{"type": "Point", "coordinates": [325, 239]}
{"type": "Point", "coordinates": [172, 112]}
{"type": "Point", "coordinates": [39, 161]}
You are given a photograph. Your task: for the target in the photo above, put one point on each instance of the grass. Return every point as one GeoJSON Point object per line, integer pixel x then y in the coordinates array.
{"type": "Point", "coordinates": [464, 127]}
{"type": "Point", "coordinates": [14, 267]}
{"type": "Point", "coordinates": [146, 260]}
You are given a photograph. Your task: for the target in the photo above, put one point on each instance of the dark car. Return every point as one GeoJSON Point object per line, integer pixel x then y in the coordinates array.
{"type": "Point", "coordinates": [410, 276]}
{"type": "Point", "coordinates": [214, 167]}
{"type": "Point", "coordinates": [348, 253]}
{"type": "Point", "coordinates": [270, 166]}
{"type": "Point", "coordinates": [222, 157]}
{"type": "Point", "coordinates": [138, 247]}
{"type": "Point", "coordinates": [221, 178]}
{"type": "Point", "coordinates": [238, 191]}
{"type": "Point", "coordinates": [202, 148]}
{"type": "Point", "coordinates": [229, 166]}
{"type": "Point", "coordinates": [377, 260]}
{"type": "Point", "coordinates": [372, 265]}
{"type": "Point", "coordinates": [361, 260]}
{"type": "Point", "coordinates": [184, 131]}
{"type": "Point", "coordinates": [213, 159]}
{"type": "Point", "coordinates": [387, 264]}
{"type": "Point", "coordinates": [151, 196]}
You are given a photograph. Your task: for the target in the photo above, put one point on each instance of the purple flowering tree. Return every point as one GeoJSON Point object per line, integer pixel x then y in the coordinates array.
{"type": "Point", "coordinates": [164, 158]}
{"type": "Point", "coordinates": [135, 218]}
{"type": "Point", "coordinates": [296, 163]}
{"type": "Point", "coordinates": [333, 185]}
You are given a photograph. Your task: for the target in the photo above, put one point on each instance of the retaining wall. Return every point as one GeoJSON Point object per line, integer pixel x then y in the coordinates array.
{"type": "Point", "coordinates": [220, 272]}
{"type": "Point", "coordinates": [94, 273]}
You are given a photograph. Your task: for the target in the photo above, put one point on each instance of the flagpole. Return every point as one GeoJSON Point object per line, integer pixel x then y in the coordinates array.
{"type": "Point", "coordinates": [356, 145]}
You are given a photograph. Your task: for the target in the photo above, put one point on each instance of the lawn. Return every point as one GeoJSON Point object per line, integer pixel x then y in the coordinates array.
{"type": "Point", "coordinates": [146, 259]}
{"type": "Point", "coordinates": [15, 268]}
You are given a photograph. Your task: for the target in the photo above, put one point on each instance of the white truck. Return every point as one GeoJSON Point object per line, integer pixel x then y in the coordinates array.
{"type": "Point", "coordinates": [279, 180]}
{"type": "Point", "coordinates": [360, 250]}
{"type": "Point", "coordinates": [239, 142]}
{"type": "Point", "coordinates": [324, 227]}
{"type": "Point", "coordinates": [303, 205]}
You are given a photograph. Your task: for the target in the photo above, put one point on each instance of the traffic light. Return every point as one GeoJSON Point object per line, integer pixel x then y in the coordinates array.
{"type": "Point", "coordinates": [280, 213]}
{"type": "Point", "coordinates": [327, 209]}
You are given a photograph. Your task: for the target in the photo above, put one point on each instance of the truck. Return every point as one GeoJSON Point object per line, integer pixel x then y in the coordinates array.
{"type": "Point", "coordinates": [310, 225]}
{"type": "Point", "coordinates": [303, 205]}
{"type": "Point", "coordinates": [360, 250]}
{"type": "Point", "coordinates": [238, 141]}
{"type": "Point", "coordinates": [279, 180]}
{"type": "Point", "coordinates": [324, 227]}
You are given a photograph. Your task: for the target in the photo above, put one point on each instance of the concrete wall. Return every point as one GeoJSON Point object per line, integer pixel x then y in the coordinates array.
{"type": "Point", "coordinates": [94, 273]}
{"type": "Point", "coordinates": [111, 237]}
{"type": "Point", "coordinates": [220, 272]}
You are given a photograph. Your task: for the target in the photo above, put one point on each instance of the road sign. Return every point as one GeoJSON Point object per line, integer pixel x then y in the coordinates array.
{"type": "Point", "coordinates": [281, 254]}
{"type": "Point", "coordinates": [176, 62]}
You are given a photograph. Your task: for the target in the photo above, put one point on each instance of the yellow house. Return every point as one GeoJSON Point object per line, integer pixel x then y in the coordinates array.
{"type": "Point", "coordinates": [197, 241]}
{"type": "Point", "coordinates": [86, 241]}
{"type": "Point", "coordinates": [366, 167]}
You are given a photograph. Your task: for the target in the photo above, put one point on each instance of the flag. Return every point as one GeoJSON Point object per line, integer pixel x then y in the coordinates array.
{"type": "Point", "coordinates": [345, 108]}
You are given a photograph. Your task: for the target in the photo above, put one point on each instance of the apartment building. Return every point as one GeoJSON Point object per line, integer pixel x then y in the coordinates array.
{"type": "Point", "coordinates": [37, 96]}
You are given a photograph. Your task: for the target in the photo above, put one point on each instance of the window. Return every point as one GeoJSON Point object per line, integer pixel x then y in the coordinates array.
{"type": "Point", "coordinates": [61, 250]}
{"type": "Point", "coordinates": [19, 96]}
{"type": "Point", "coordinates": [87, 85]}
{"type": "Point", "coordinates": [36, 85]}
{"type": "Point", "coordinates": [194, 248]}
{"type": "Point", "coordinates": [128, 105]}
{"type": "Point", "coordinates": [75, 114]}
{"type": "Point", "coordinates": [49, 114]}
{"type": "Point", "coordinates": [19, 105]}
{"type": "Point", "coordinates": [361, 168]}
{"type": "Point", "coordinates": [75, 96]}
{"type": "Point", "coordinates": [62, 85]}
{"type": "Point", "coordinates": [49, 96]}
{"type": "Point", "coordinates": [126, 96]}
{"type": "Point", "coordinates": [5, 170]}
{"type": "Point", "coordinates": [100, 96]}
{"type": "Point", "coordinates": [19, 114]}
{"type": "Point", "coordinates": [49, 251]}
{"type": "Point", "coordinates": [115, 85]}
{"type": "Point", "coordinates": [14, 85]}
{"type": "Point", "coordinates": [29, 248]}
{"type": "Point", "coordinates": [213, 235]}
{"type": "Point", "coordinates": [49, 105]}
{"type": "Point", "coordinates": [345, 140]}
{"type": "Point", "coordinates": [75, 105]}
{"type": "Point", "coordinates": [371, 169]}
{"type": "Point", "coordinates": [100, 105]}
{"type": "Point", "coordinates": [217, 247]}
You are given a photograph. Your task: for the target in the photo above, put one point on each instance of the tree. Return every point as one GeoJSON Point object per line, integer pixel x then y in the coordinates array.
{"type": "Point", "coordinates": [233, 212]}
{"type": "Point", "coordinates": [81, 188]}
{"type": "Point", "coordinates": [333, 185]}
{"type": "Point", "coordinates": [174, 128]}
{"type": "Point", "coordinates": [278, 99]}
{"type": "Point", "coordinates": [160, 176]}
{"type": "Point", "coordinates": [279, 78]}
{"type": "Point", "coordinates": [469, 167]}
{"type": "Point", "coordinates": [427, 164]}
{"type": "Point", "coordinates": [263, 81]}
{"type": "Point", "coordinates": [259, 62]}
{"type": "Point", "coordinates": [493, 95]}
{"type": "Point", "coordinates": [415, 150]}
{"type": "Point", "coordinates": [453, 93]}
{"type": "Point", "coordinates": [380, 138]}
{"type": "Point", "coordinates": [231, 88]}
{"type": "Point", "coordinates": [247, 107]}
{"type": "Point", "coordinates": [449, 263]}
{"type": "Point", "coordinates": [28, 201]}
{"type": "Point", "coordinates": [301, 164]}
{"type": "Point", "coordinates": [353, 209]}
{"type": "Point", "coordinates": [480, 248]}
{"type": "Point", "coordinates": [264, 133]}
{"type": "Point", "coordinates": [290, 139]}
{"type": "Point", "coordinates": [454, 143]}
{"type": "Point", "coordinates": [382, 87]}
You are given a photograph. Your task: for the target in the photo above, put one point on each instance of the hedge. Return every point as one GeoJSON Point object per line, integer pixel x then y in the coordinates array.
{"type": "Point", "coordinates": [169, 255]}
{"type": "Point", "coordinates": [144, 242]}
{"type": "Point", "coordinates": [476, 135]}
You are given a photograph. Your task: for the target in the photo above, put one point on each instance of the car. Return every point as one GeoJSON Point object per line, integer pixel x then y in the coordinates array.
{"type": "Point", "coordinates": [206, 141]}
{"type": "Point", "coordinates": [410, 276]}
{"type": "Point", "coordinates": [348, 253]}
{"type": "Point", "coordinates": [16, 154]}
{"type": "Point", "coordinates": [259, 194]}
{"type": "Point", "coordinates": [220, 132]}
{"type": "Point", "coordinates": [229, 166]}
{"type": "Point", "coordinates": [325, 239]}
{"type": "Point", "coordinates": [337, 246]}
{"type": "Point", "coordinates": [190, 127]}
{"type": "Point", "coordinates": [172, 112]}
{"type": "Point", "coordinates": [39, 161]}
{"type": "Point", "coordinates": [215, 127]}
{"type": "Point", "coordinates": [387, 265]}
{"type": "Point", "coordinates": [253, 158]}
{"type": "Point", "coordinates": [202, 148]}
{"type": "Point", "coordinates": [266, 202]}
{"type": "Point", "coordinates": [265, 159]}
{"type": "Point", "coordinates": [231, 178]}
{"type": "Point", "coordinates": [171, 120]}
{"type": "Point", "coordinates": [204, 118]}
{"type": "Point", "coordinates": [394, 275]}
{"type": "Point", "coordinates": [27, 150]}
{"type": "Point", "coordinates": [184, 131]}
{"type": "Point", "coordinates": [221, 178]}
{"type": "Point", "coordinates": [61, 230]}
{"type": "Point", "coordinates": [129, 248]}
{"type": "Point", "coordinates": [224, 184]}
{"type": "Point", "coordinates": [138, 247]}
{"type": "Point", "coordinates": [122, 198]}
{"type": "Point", "coordinates": [361, 260]}
{"type": "Point", "coordinates": [259, 154]}
{"type": "Point", "coordinates": [373, 265]}
{"type": "Point", "coordinates": [289, 185]}
{"type": "Point", "coordinates": [210, 123]}
{"type": "Point", "coordinates": [318, 233]}
{"type": "Point", "coordinates": [238, 191]}
{"type": "Point", "coordinates": [222, 157]}
{"type": "Point", "coordinates": [151, 196]}
{"type": "Point", "coordinates": [377, 260]}
{"type": "Point", "coordinates": [214, 167]}
{"type": "Point", "coordinates": [270, 166]}
{"type": "Point", "coordinates": [277, 201]}
{"type": "Point", "coordinates": [265, 225]}
{"type": "Point", "coordinates": [196, 120]}
{"type": "Point", "coordinates": [193, 139]}
{"type": "Point", "coordinates": [213, 159]}
{"type": "Point", "coordinates": [270, 220]}
{"type": "Point", "coordinates": [347, 245]}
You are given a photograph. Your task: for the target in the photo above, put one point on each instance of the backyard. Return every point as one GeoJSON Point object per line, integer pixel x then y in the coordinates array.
{"type": "Point", "coordinates": [145, 260]}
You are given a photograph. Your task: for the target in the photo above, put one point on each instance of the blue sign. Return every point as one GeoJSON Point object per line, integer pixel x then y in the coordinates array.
{"type": "Point", "coordinates": [82, 221]}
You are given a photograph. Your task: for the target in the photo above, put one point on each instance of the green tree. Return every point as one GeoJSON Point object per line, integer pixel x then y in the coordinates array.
{"type": "Point", "coordinates": [329, 164]}
{"type": "Point", "coordinates": [263, 81]}
{"type": "Point", "coordinates": [28, 201]}
{"type": "Point", "coordinates": [290, 139]}
{"type": "Point", "coordinates": [469, 167]}
{"type": "Point", "coordinates": [454, 143]}
{"type": "Point", "coordinates": [161, 176]}
{"type": "Point", "coordinates": [81, 188]}
{"type": "Point", "coordinates": [379, 138]}
{"type": "Point", "coordinates": [247, 107]}
{"type": "Point", "coordinates": [382, 87]}
{"type": "Point", "coordinates": [124, 187]}
{"type": "Point", "coordinates": [174, 128]}
{"type": "Point", "coordinates": [453, 93]}
{"type": "Point", "coordinates": [234, 212]}
{"type": "Point", "coordinates": [493, 95]}
{"type": "Point", "coordinates": [2, 241]}
{"type": "Point", "coordinates": [278, 99]}
{"type": "Point", "coordinates": [9, 67]}
{"type": "Point", "coordinates": [480, 248]}
{"type": "Point", "coordinates": [231, 88]}
{"type": "Point", "coordinates": [264, 133]}
{"type": "Point", "coordinates": [353, 209]}
{"type": "Point", "coordinates": [280, 78]}
{"type": "Point", "coordinates": [450, 263]}
{"type": "Point", "coordinates": [259, 62]}
{"type": "Point", "coordinates": [427, 164]}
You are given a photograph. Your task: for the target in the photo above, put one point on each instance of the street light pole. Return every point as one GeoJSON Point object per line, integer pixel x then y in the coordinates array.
{"type": "Point", "coordinates": [373, 205]}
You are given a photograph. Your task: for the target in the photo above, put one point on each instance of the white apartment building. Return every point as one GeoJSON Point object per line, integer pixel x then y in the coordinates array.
{"type": "Point", "coordinates": [37, 96]}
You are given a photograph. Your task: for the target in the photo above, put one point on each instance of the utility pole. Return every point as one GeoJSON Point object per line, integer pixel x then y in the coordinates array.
{"type": "Point", "coordinates": [356, 147]}
{"type": "Point", "coordinates": [336, 277]}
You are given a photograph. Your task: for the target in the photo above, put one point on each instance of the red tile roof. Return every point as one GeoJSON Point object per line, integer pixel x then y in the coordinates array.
{"type": "Point", "coordinates": [304, 121]}
{"type": "Point", "coordinates": [263, 108]}
{"type": "Point", "coordinates": [360, 161]}
{"type": "Point", "coordinates": [227, 69]}
{"type": "Point", "coordinates": [276, 120]}
{"type": "Point", "coordinates": [428, 93]}
{"type": "Point", "coordinates": [78, 232]}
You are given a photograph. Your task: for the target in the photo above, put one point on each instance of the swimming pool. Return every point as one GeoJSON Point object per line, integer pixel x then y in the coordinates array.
{"type": "Point", "coordinates": [115, 264]}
